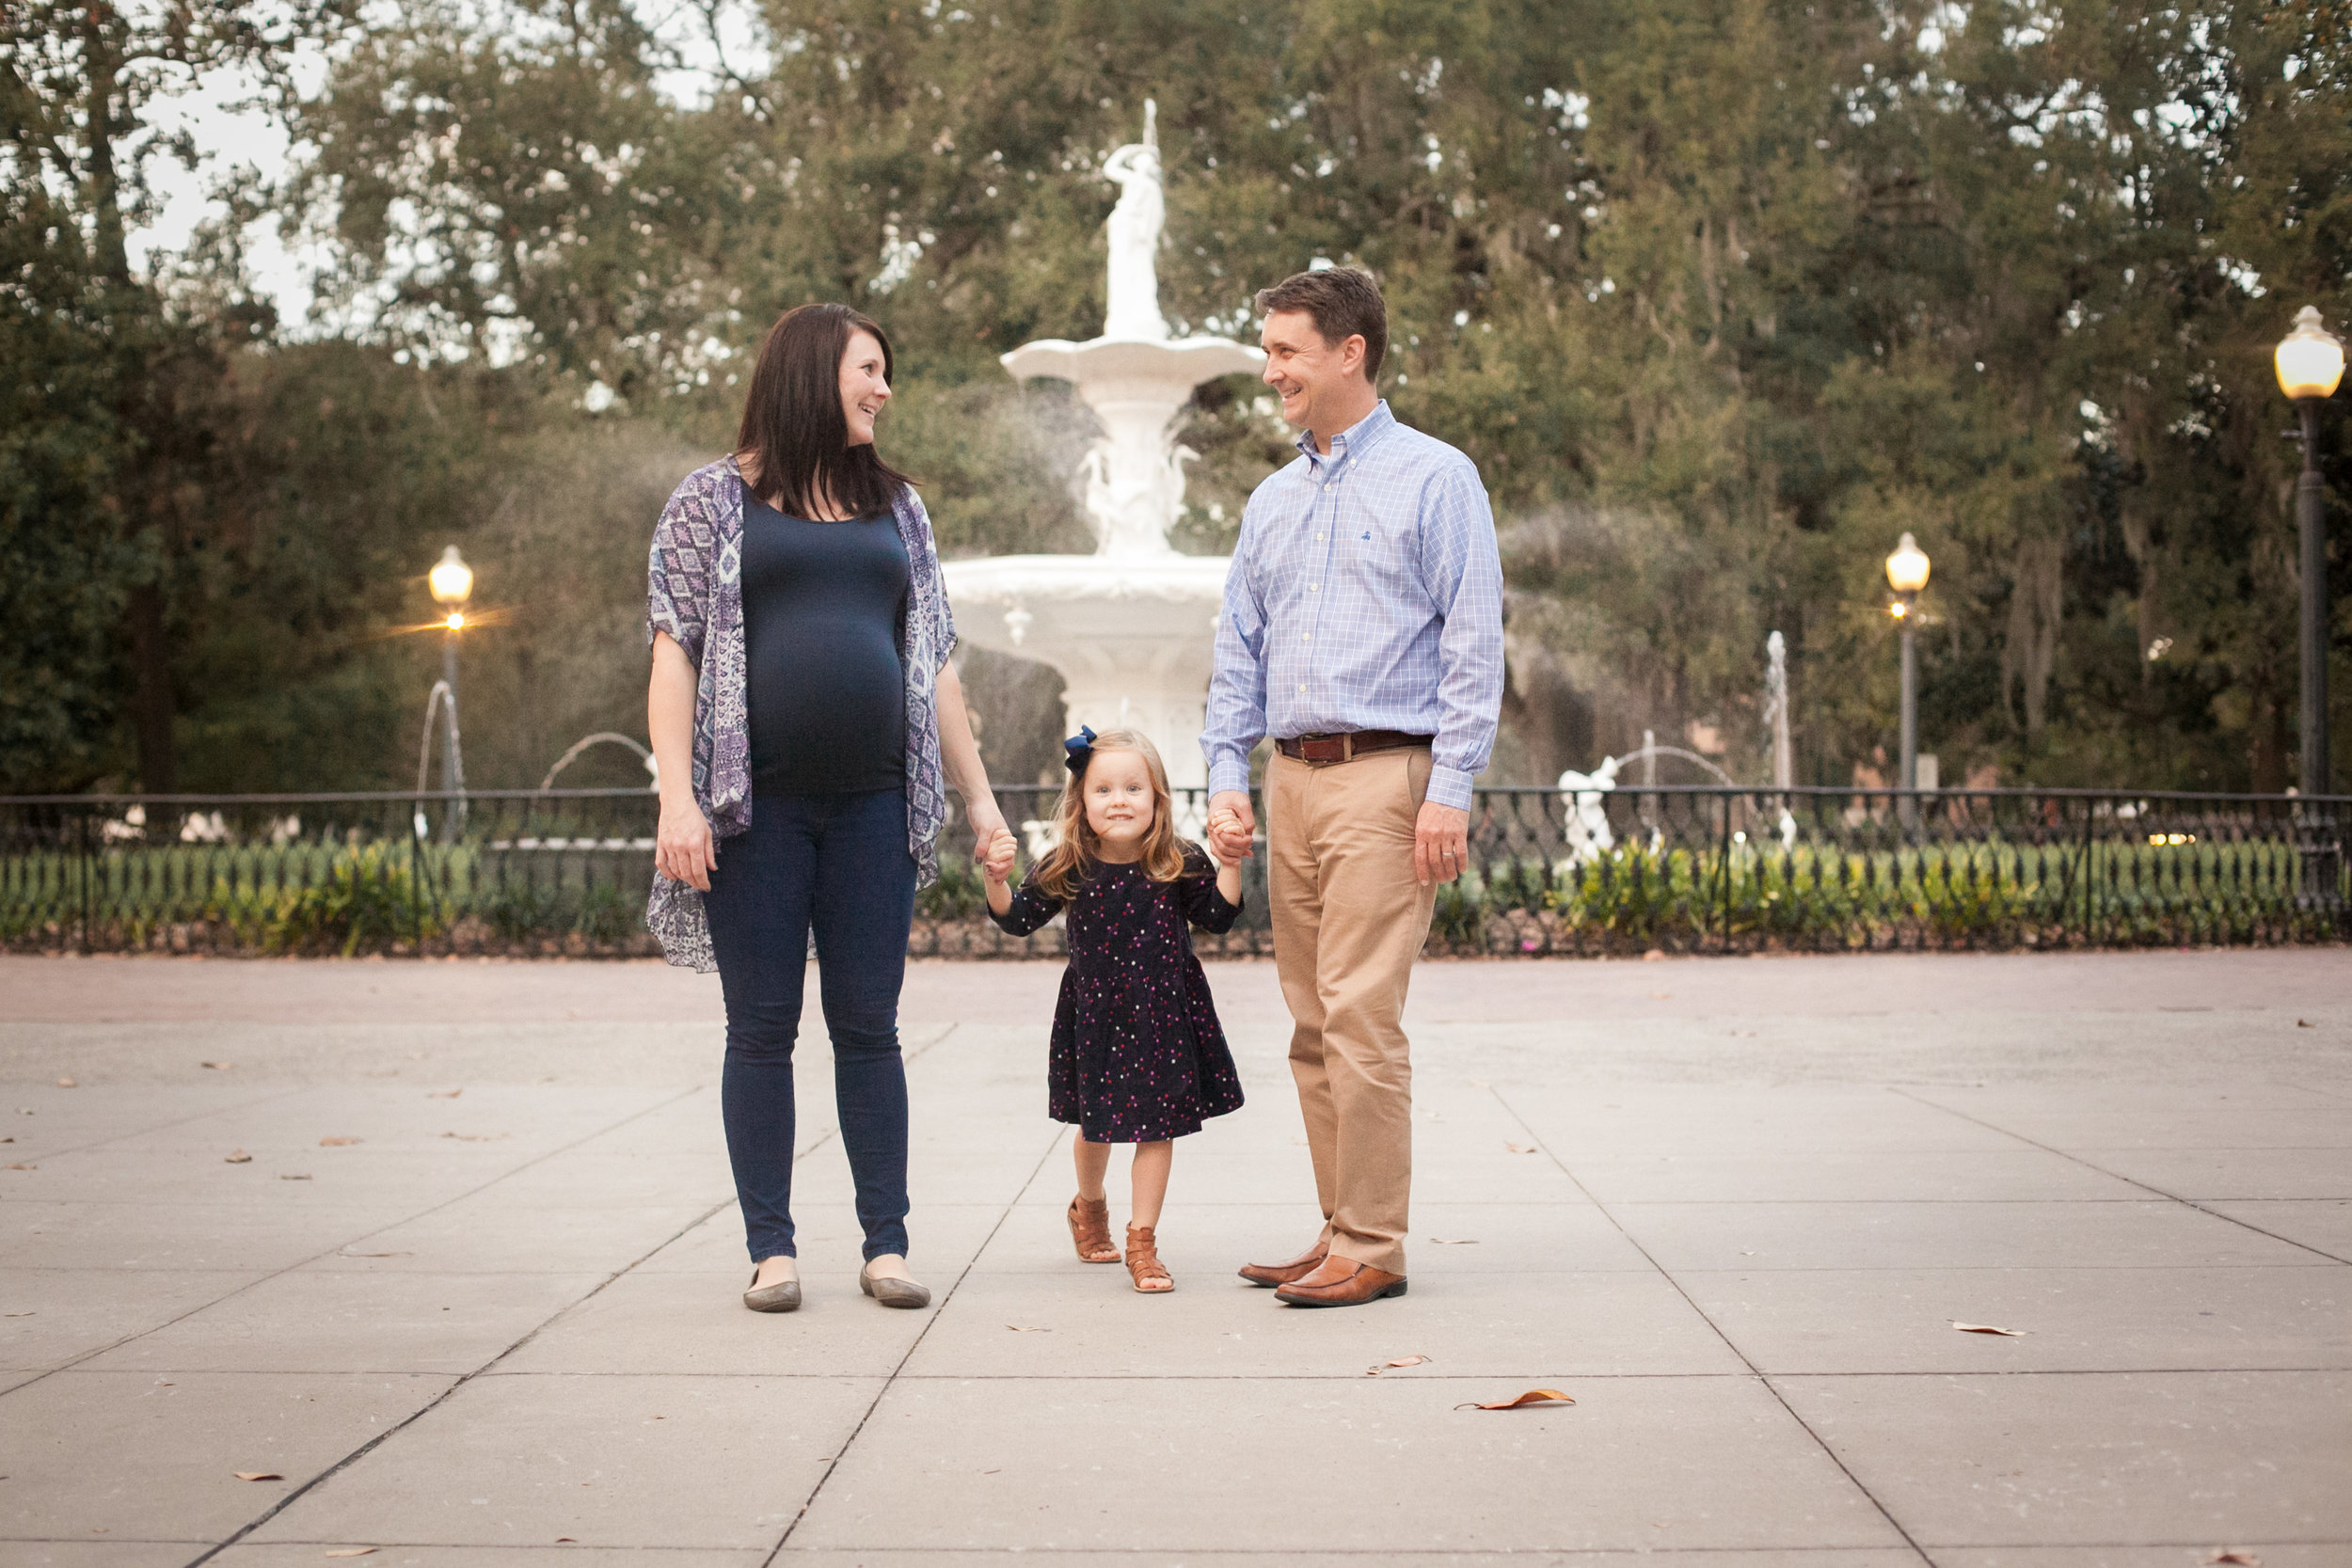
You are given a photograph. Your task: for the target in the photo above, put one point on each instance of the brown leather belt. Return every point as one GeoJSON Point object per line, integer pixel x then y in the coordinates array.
{"type": "Point", "coordinates": [1346, 748]}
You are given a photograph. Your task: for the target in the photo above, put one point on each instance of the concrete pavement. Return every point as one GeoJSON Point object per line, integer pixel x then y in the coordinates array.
{"type": "Point", "coordinates": [472, 1297]}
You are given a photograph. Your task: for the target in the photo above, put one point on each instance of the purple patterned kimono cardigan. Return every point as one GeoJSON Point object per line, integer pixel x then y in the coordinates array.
{"type": "Point", "coordinates": [694, 592]}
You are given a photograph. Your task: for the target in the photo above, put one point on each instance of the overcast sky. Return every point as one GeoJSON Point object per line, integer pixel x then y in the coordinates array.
{"type": "Point", "coordinates": [226, 139]}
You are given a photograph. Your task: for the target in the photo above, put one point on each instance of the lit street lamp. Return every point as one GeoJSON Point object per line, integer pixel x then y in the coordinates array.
{"type": "Point", "coordinates": [2310, 362]}
{"type": "Point", "coordinates": [451, 581]}
{"type": "Point", "coordinates": [1906, 574]}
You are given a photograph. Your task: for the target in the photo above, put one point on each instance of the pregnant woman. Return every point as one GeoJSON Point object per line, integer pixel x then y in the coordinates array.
{"type": "Point", "coordinates": [803, 712]}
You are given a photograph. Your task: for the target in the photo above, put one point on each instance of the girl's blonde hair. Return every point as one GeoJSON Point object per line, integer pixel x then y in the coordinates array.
{"type": "Point", "coordinates": [1074, 856]}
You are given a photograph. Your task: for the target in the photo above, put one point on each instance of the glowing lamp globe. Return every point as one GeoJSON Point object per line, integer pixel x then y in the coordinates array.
{"type": "Point", "coordinates": [451, 579]}
{"type": "Point", "coordinates": [2309, 359]}
{"type": "Point", "coordinates": [1907, 568]}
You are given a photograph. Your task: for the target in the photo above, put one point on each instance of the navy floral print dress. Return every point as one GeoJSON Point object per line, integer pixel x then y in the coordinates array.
{"type": "Point", "coordinates": [1137, 1053]}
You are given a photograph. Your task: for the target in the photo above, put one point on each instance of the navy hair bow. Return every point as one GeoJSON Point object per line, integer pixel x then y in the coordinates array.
{"type": "Point", "coordinates": [1081, 749]}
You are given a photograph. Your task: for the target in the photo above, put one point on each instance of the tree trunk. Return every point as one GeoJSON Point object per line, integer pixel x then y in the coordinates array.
{"type": "Point", "coordinates": [151, 708]}
{"type": "Point", "coordinates": [151, 702]}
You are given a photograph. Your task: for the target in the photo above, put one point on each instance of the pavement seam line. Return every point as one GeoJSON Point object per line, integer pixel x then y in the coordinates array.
{"type": "Point", "coordinates": [485, 1369]}
{"type": "Point", "coordinates": [891, 1381]}
{"type": "Point", "coordinates": [165, 1126]}
{"type": "Point", "coordinates": [433, 1403]}
{"type": "Point", "coordinates": [1761, 1377]}
{"type": "Point", "coordinates": [304, 1262]}
{"type": "Point", "coordinates": [2143, 1186]}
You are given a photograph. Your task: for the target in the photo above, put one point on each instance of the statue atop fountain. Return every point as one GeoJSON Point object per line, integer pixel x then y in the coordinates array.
{"type": "Point", "coordinates": [1134, 229]}
{"type": "Point", "coordinates": [1130, 627]}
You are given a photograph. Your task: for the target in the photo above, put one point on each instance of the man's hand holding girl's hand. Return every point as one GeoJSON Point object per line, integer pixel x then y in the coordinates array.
{"type": "Point", "coordinates": [1231, 825]}
{"type": "Point", "coordinates": [998, 857]}
{"type": "Point", "coordinates": [1222, 849]}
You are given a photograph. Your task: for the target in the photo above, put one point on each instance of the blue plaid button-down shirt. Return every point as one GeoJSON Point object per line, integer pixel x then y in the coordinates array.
{"type": "Point", "coordinates": [1366, 593]}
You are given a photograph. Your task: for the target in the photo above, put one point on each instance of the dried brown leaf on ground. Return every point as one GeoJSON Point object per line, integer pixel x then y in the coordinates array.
{"type": "Point", "coordinates": [18, 1314]}
{"type": "Point", "coordinates": [1377, 1367]}
{"type": "Point", "coordinates": [1466, 1241]}
{"type": "Point", "coordinates": [477, 1137]}
{"type": "Point", "coordinates": [337, 1143]}
{"type": "Point", "coordinates": [283, 1176]}
{"type": "Point", "coordinates": [22, 1166]}
{"type": "Point", "coordinates": [2236, 1554]}
{"type": "Point", "coordinates": [1521, 1148]}
{"type": "Point", "coordinates": [65, 1083]}
{"type": "Point", "coordinates": [257, 1475]}
{"type": "Point", "coordinates": [1987, 1328]}
{"type": "Point", "coordinates": [1532, 1397]}
{"type": "Point", "coordinates": [217, 1067]}
{"type": "Point", "coordinates": [435, 1094]}
{"type": "Point", "coordinates": [236, 1157]}
{"type": "Point", "coordinates": [353, 1551]}
{"type": "Point", "coordinates": [1019, 1328]}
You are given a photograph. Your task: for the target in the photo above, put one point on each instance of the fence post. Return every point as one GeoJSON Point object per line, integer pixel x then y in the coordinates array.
{"type": "Point", "coordinates": [1722, 935]}
{"type": "Point", "coordinates": [2089, 938]}
{"type": "Point", "coordinates": [416, 879]}
{"type": "Point", "coordinates": [82, 818]}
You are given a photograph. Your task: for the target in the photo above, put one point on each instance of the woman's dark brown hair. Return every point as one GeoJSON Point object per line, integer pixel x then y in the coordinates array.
{"type": "Point", "coordinates": [793, 432]}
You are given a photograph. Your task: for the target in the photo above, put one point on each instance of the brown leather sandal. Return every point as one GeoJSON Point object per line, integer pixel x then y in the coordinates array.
{"type": "Point", "coordinates": [1090, 1230]}
{"type": "Point", "coordinates": [1143, 1262]}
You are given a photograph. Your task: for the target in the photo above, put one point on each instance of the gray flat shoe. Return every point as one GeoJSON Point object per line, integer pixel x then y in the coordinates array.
{"type": "Point", "coordinates": [783, 1296]}
{"type": "Point", "coordinates": [894, 1293]}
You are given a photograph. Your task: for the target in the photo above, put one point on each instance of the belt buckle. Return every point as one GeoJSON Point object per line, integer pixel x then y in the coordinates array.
{"type": "Point", "coordinates": [1344, 744]}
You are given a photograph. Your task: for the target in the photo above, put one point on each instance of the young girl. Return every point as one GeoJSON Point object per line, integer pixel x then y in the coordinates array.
{"type": "Point", "coordinates": [1138, 1054]}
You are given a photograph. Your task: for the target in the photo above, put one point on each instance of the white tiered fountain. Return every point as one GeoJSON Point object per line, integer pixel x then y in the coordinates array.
{"type": "Point", "coordinates": [1130, 627]}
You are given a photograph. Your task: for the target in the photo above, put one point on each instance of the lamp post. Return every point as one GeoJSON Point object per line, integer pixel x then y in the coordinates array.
{"type": "Point", "coordinates": [2310, 362]}
{"type": "Point", "coordinates": [451, 581]}
{"type": "Point", "coordinates": [1906, 574]}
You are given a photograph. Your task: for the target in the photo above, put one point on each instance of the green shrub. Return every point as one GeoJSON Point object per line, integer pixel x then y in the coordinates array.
{"type": "Point", "coordinates": [365, 900]}
{"type": "Point", "coordinates": [608, 916]}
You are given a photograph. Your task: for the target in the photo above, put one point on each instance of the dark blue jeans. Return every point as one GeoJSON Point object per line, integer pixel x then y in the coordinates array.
{"type": "Point", "coordinates": [840, 863]}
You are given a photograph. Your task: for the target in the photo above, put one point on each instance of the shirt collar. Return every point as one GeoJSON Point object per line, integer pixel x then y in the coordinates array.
{"type": "Point", "coordinates": [1352, 442]}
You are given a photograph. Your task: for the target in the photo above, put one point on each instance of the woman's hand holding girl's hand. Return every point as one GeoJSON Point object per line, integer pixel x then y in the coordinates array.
{"type": "Point", "coordinates": [996, 866]}
{"type": "Point", "coordinates": [682, 846]}
{"type": "Point", "coordinates": [996, 859]}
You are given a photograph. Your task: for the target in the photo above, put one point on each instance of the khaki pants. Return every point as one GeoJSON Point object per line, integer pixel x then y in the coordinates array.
{"type": "Point", "coordinates": [1349, 919]}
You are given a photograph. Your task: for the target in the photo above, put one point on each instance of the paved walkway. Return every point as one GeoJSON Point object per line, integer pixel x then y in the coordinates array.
{"type": "Point", "coordinates": [472, 1299]}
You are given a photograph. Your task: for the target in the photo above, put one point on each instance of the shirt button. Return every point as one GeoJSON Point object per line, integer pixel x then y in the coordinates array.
{"type": "Point", "coordinates": [1314, 587]}
{"type": "Point", "coordinates": [1302, 686]}
{"type": "Point", "coordinates": [1318, 538]}
{"type": "Point", "coordinates": [1306, 637]}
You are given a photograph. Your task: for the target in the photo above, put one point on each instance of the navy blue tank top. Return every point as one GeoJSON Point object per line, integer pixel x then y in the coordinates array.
{"type": "Point", "coordinates": [823, 605]}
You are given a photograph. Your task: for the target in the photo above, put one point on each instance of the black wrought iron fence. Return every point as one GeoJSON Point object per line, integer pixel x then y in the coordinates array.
{"type": "Point", "coordinates": [513, 871]}
{"type": "Point", "coordinates": [1681, 869]}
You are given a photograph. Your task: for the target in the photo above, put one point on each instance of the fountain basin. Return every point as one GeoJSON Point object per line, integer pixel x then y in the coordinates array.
{"type": "Point", "coordinates": [1131, 635]}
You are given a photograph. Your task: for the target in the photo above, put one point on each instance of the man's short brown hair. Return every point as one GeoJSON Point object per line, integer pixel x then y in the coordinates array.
{"type": "Point", "coordinates": [1344, 303]}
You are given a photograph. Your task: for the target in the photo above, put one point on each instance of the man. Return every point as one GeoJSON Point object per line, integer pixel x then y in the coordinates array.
{"type": "Point", "coordinates": [1362, 629]}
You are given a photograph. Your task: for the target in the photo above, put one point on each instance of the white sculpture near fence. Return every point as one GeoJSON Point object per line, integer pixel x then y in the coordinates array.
{"type": "Point", "coordinates": [1587, 825]}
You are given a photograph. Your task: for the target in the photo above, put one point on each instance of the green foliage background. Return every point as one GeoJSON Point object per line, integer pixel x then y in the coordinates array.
{"type": "Point", "coordinates": [1722, 295]}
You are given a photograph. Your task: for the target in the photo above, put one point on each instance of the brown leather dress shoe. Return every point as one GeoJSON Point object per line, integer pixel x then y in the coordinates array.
{"type": "Point", "coordinates": [1282, 1273]}
{"type": "Point", "coordinates": [1342, 1282]}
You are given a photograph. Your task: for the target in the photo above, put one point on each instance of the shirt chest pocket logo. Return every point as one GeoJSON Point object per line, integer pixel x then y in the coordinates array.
{"type": "Point", "coordinates": [1373, 551]}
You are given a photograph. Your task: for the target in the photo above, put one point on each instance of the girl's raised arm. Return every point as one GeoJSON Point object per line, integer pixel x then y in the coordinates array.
{"type": "Point", "coordinates": [1210, 902]}
{"type": "Point", "coordinates": [1028, 908]}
